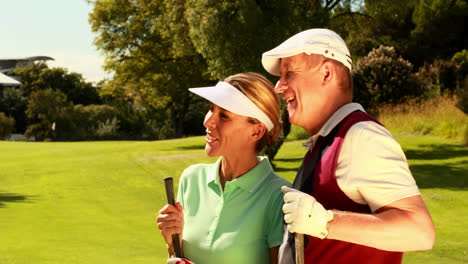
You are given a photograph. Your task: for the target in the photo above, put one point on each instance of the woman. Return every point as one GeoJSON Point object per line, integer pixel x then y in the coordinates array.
{"type": "Point", "coordinates": [230, 211]}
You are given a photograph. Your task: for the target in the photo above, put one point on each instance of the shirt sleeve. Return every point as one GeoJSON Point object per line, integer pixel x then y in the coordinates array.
{"type": "Point", "coordinates": [373, 168]}
{"type": "Point", "coordinates": [274, 218]}
{"type": "Point", "coordinates": [181, 189]}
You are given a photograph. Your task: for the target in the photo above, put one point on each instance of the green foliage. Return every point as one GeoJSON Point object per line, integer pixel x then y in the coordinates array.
{"type": "Point", "coordinates": [461, 59]}
{"type": "Point", "coordinates": [439, 77]}
{"type": "Point", "coordinates": [83, 123]}
{"type": "Point", "coordinates": [158, 49]}
{"type": "Point", "coordinates": [31, 77]}
{"type": "Point", "coordinates": [13, 103]}
{"type": "Point", "coordinates": [383, 77]}
{"type": "Point", "coordinates": [366, 25]}
{"type": "Point", "coordinates": [38, 76]}
{"type": "Point", "coordinates": [138, 39]}
{"type": "Point", "coordinates": [232, 35]}
{"type": "Point", "coordinates": [463, 95]}
{"type": "Point", "coordinates": [439, 30]}
{"type": "Point", "coordinates": [46, 106]}
{"type": "Point", "coordinates": [421, 30]}
{"type": "Point", "coordinates": [108, 129]}
{"type": "Point", "coordinates": [7, 125]}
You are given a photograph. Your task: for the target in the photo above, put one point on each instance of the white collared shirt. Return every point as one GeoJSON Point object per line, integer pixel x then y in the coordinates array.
{"type": "Point", "coordinates": [372, 168]}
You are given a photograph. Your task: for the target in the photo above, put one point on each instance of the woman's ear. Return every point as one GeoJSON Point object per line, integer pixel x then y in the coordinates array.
{"type": "Point", "coordinates": [258, 131]}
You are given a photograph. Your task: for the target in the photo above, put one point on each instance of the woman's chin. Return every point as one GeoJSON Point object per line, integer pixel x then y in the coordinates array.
{"type": "Point", "coordinates": [209, 151]}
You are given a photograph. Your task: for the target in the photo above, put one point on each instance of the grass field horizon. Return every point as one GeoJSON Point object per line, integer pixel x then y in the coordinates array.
{"type": "Point", "coordinates": [95, 202]}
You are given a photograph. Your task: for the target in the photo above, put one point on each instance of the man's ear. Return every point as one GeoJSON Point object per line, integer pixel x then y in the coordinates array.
{"type": "Point", "coordinates": [258, 130]}
{"type": "Point", "coordinates": [327, 71]}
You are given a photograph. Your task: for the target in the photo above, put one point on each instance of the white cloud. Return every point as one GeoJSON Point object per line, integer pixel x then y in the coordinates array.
{"type": "Point", "coordinates": [90, 66]}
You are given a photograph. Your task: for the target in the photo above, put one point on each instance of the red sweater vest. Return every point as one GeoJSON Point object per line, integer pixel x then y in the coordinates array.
{"type": "Point", "coordinates": [326, 190]}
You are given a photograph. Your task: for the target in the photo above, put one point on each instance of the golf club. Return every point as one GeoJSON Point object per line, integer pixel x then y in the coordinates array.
{"type": "Point", "coordinates": [169, 185]}
{"type": "Point", "coordinates": [299, 248]}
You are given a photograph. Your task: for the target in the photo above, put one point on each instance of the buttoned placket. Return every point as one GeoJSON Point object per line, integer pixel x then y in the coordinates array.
{"type": "Point", "coordinates": [224, 195]}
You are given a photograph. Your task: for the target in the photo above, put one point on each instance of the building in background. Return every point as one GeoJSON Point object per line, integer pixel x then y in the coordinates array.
{"type": "Point", "coordinates": [7, 65]}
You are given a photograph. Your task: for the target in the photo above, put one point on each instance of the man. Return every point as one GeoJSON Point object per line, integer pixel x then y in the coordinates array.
{"type": "Point", "coordinates": [354, 197]}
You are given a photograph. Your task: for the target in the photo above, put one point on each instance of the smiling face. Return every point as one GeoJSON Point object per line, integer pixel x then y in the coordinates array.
{"type": "Point", "coordinates": [302, 85]}
{"type": "Point", "coordinates": [227, 133]}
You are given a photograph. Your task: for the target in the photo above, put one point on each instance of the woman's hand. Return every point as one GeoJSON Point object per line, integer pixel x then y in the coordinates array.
{"type": "Point", "coordinates": [171, 221]}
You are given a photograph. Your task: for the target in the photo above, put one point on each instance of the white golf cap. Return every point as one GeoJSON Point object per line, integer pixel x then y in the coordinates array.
{"type": "Point", "coordinates": [230, 98]}
{"type": "Point", "coordinates": [313, 41]}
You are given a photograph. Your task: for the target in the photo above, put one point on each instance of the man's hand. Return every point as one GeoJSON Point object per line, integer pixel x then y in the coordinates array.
{"type": "Point", "coordinates": [179, 261]}
{"type": "Point", "coordinates": [304, 214]}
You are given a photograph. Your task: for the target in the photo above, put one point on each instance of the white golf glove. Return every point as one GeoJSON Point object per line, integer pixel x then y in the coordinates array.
{"type": "Point", "coordinates": [175, 260]}
{"type": "Point", "coordinates": [304, 214]}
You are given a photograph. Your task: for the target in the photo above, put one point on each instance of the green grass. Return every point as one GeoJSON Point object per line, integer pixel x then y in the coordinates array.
{"type": "Point", "coordinates": [95, 202]}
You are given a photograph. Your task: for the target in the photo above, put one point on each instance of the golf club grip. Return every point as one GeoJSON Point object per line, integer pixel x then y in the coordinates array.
{"type": "Point", "coordinates": [169, 185]}
{"type": "Point", "coordinates": [299, 248]}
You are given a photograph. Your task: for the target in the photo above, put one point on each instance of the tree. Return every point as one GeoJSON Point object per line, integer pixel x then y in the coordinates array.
{"type": "Point", "coordinates": [232, 35]}
{"type": "Point", "coordinates": [137, 38]}
{"type": "Point", "coordinates": [368, 24]}
{"type": "Point", "coordinates": [421, 30]}
{"type": "Point", "coordinates": [440, 30]}
{"type": "Point", "coordinates": [38, 76]}
{"type": "Point", "coordinates": [158, 49]}
{"type": "Point", "coordinates": [46, 107]}
{"type": "Point", "coordinates": [7, 125]}
{"type": "Point", "coordinates": [13, 103]}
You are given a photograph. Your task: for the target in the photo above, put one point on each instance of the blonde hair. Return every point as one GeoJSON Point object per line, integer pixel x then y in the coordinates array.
{"type": "Point", "coordinates": [261, 92]}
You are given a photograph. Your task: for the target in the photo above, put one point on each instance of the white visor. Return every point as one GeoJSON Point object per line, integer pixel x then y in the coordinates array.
{"type": "Point", "coordinates": [230, 98]}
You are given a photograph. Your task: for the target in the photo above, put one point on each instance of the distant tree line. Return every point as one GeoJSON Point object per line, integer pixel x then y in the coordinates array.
{"type": "Point", "coordinates": [159, 48]}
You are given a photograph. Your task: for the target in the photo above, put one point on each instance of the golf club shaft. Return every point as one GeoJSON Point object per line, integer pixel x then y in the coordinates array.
{"type": "Point", "coordinates": [169, 185]}
{"type": "Point", "coordinates": [299, 248]}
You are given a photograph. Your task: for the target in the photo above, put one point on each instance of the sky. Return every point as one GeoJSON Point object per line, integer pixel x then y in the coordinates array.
{"type": "Point", "coordinates": [54, 28]}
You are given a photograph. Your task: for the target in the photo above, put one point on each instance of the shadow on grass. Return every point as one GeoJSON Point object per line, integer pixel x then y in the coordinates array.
{"type": "Point", "coordinates": [447, 176]}
{"type": "Point", "coordinates": [192, 147]}
{"type": "Point", "coordinates": [437, 152]}
{"type": "Point", "coordinates": [14, 198]}
{"type": "Point", "coordinates": [289, 160]}
{"type": "Point", "coordinates": [279, 169]}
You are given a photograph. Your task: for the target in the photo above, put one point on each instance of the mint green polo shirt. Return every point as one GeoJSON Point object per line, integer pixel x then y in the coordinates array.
{"type": "Point", "coordinates": [237, 225]}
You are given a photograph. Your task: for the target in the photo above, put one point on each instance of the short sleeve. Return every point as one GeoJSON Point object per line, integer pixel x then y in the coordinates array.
{"type": "Point", "coordinates": [182, 188]}
{"type": "Point", "coordinates": [274, 218]}
{"type": "Point", "coordinates": [373, 168]}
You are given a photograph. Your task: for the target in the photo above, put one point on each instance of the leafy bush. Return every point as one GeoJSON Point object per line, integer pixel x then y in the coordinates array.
{"type": "Point", "coordinates": [46, 107]}
{"type": "Point", "coordinates": [13, 103]}
{"type": "Point", "coordinates": [383, 77]}
{"type": "Point", "coordinates": [83, 122]}
{"type": "Point", "coordinates": [439, 77]}
{"type": "Point", "coordinates": [7, 125]}
{"type": "Point", "coordinates": [108, 129]}
{"type": "Point", "coordinates": [461, 59]}
{"type": "Point", "coordinates": [40, 131]}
